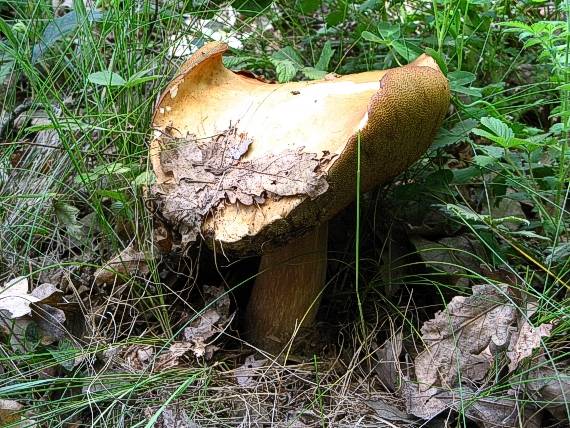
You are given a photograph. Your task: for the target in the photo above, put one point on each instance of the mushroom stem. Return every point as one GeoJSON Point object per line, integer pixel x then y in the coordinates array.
{"type": "Point", "coordinates": [287, 291]}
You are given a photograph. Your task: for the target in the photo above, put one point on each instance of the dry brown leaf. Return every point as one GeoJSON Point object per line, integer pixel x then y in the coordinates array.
{"type": "Point", "coordinates": [10, 412]}
{"type": "Point", "coordinates": [464, 337]}
{"type": "Point", "coordinates": [208, 172]}
{"type": "Point", "coordinates": [245, 374]}
{"type": "Point", "coordinates": [388, 367]}
{"type": "Point", "coordinates": [388, 411]}
{"type": "Point", "coordinates": [486, 411]}
{"type": "Point", "coordinates": [127, 263]}
{"type": "Point", "coordinates": [15, 300]}
{"type": "Point", "coordinates": [524, 342]}
{"type": "Point", "coordinates": [551, 388]}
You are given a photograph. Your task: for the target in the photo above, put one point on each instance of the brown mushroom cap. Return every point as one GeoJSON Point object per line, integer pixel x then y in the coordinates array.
{"type": "Point", "coordinates": [247, 162]}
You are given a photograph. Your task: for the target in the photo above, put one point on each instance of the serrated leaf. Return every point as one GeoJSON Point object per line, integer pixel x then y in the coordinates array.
{"type": "Point", "coordinates": [325, 58]}
{"type": "Point", "coordinates": [484, 161]}
{"type": "Point", "coordinates": [313, 73]}
{"type": "Point", "coordinates": [67, 215]}
{"type": "Point", "coordinates": [498, 128]}
{"type": "Point", "coordinates": [285, 70]}
{"type": "Point", "coordinates": [288, 53]}
{"type": "Point", "coordinates": [106, 78]}
{"type": "Point", "coordinates": [61, 27]}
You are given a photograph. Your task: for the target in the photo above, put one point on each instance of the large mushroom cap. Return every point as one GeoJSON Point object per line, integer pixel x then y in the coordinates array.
{"type": "Point", "coordinates": [247, 162]}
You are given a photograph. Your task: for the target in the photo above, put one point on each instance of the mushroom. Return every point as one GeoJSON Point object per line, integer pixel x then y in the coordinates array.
{"type": "Point", "coordinates": [258, 167]}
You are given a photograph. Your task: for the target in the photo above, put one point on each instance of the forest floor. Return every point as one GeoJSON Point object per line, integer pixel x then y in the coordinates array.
{"type": "Point", "coordinates": [459, 313]}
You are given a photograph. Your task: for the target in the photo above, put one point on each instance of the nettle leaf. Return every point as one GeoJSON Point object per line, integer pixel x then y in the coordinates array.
{"type": "Point", "coordinates": [460, 82]}
{"type": "Point", "coordinates": [325, 58]}
{"type": "Point", "coordinates": [61, 27]}
{"type": "Point", "coordinates": [106, 78]}
{"type": "Point", "coordinates": [67, 215]}
{"type": "Point", "coordinates": [288, 53]}
{"type": "Point", "coordinates": [312, 73]}
{"type": "Point", "coordinates": [458, 134]}
{"type": "Point", "coordinates": [500, 133]}
{"type": "Point", "coordinates": [285, 70]}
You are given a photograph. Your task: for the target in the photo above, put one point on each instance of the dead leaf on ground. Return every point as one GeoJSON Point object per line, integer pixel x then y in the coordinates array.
{"type": "Point", "coordinates": [127, 263]}
{"type": "Point", "coordinates": [525, 341]}
{"type": "Point", "coordinates": [453, 255]}
{"type": "Point", "coordinates": [246, 374]}
{"type": "Point", "coordinates": [209, 323]}
{"type": "Point", "coordinates": [10, 412]}
{"type": "Point", "coordinates": [389, 412]}
{"type": "Point", "coordinates": [207, 172]}
{"type": "Point", "coordinates": [486, 411]}
{"type": "Point", "coordinates": [388, 367]}
{"type": "Point", "coordinates": [29, 319]}
{"type": "Point", "coordinates": [461, 341]}
{"type": "Point", "coordinates": [551, 389]}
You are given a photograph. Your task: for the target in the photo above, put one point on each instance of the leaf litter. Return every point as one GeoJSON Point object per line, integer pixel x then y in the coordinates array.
{"type": "Point", "coordinates": [203, 174]}
{"type": "Point", "coordinates": [462, 344]}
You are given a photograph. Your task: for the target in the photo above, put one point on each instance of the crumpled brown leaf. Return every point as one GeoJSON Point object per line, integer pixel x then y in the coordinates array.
{"type": "Point", "coordinates": [525, 341]}
{"type": "Point", "coordinates": [127, 263]}
{"type": "Point", "coordinates": [22, 312]}
{"type": "Point", "coordinates": [10, 412]}
{"type": "Point", "coordinates": [206, 173]}
{"type": "Point", "coordinates": [551, 389]}
{"type": "Point", "coordinates": [462, 339]}
{"type": "Point", "coordinates": [388, 367]}
{"type": "Point", "coordinates": [246, 373]}
{"type": "Point", "coordinates": [485, 411]}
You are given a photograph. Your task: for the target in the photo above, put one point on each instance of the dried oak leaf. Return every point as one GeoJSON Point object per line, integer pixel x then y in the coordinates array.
{"type": "Point", "coordinates": [10, 412]}
{"type": "Point", "coordinates": [462, 339]}
{"type": "Point", "coordinates": [206, 173]}
{"type": "Point", "coordinates": [525, 341]}
{"type": "Point", "coordinates": [551, 388]}
{"type": "Point", "coordinates": [127, 263]}
{"type": "Point", "coordinates": [485, 411]}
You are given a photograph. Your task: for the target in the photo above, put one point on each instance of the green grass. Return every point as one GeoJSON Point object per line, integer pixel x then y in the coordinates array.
{"type": "Point", "coordinates": [73, 172]}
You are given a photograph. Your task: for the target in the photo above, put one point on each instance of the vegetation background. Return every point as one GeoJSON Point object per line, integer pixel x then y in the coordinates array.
{"type": "Point", "coordinates": [480, 224]}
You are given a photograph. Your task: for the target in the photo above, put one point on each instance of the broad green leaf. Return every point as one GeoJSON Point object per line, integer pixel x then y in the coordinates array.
{"type": "Point", "coordinates": [325, 58]}
{"type": "Point", "coordinates": [145, 178]}
{"type": "Point", "coordinates": [106, 78]}
{"type": "Point", "coordinates": [61, 27]}
{"type": "Point", "coordinates": [458, 134]}
{"type": "Point", "coordinates": [406, 50]}
{"type": "Point", "coordinates": [484, 161]}
{"type": "Point", "coordinates": [389, 31]}
{"type": "Point", "coordinates": [439, 59]}
{"type": "Point", "coordinates": [498, 128]}
{"type": "Point", "coordinates": [367, 35]}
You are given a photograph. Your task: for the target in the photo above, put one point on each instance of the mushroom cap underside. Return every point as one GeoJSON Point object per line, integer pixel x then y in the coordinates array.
{"type": "Point", "coordinates": [243, 162]}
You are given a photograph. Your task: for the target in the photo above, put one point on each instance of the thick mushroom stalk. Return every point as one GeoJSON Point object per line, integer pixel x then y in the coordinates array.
{"type": "Point", "coordinates": [259, 167]}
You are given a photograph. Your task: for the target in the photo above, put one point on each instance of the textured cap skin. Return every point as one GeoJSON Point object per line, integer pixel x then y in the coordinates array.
{"type": "Point", "coordinates": [395, 113]}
